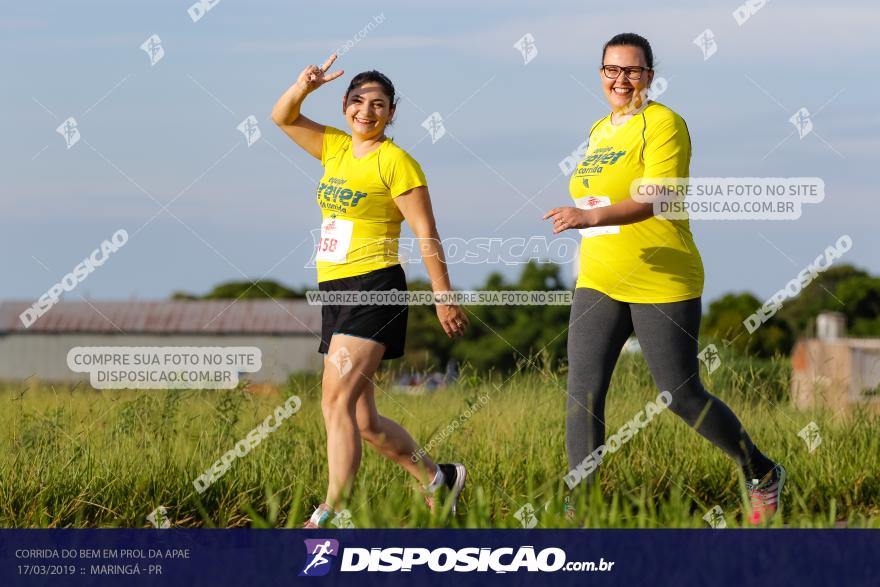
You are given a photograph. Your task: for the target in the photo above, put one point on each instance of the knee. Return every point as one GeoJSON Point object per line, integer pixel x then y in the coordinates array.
{"type": "Point", "coordinates": [690, 402]}
{"type": "Point", "coordinates": [370, 431]}
{"type": "Point", "coordinates": [337, 402]}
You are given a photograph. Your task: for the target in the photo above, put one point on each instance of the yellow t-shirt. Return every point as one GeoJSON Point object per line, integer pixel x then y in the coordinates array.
{"type": "Point", "coordinates": [653, 261]}
{"type": "Point", "coordinates": [361, 223]}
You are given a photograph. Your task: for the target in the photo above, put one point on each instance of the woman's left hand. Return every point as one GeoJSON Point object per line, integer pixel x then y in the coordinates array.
{"type": "Point", "coordinates": [569, 217]}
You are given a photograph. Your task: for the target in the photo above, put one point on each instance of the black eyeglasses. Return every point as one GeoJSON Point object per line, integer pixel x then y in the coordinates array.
{"type": "Point", "coordinates": [631, 73]}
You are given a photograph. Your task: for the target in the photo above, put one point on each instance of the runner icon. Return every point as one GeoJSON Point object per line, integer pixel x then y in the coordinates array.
{"type": "Point", "coordinates": [319, 552]}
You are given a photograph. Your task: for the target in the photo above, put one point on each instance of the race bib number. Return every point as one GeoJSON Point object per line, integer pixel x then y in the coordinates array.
{"type": "Point", "coordinates": [335, 240]}
{"type": "Point", "coordinates": [589, 203]}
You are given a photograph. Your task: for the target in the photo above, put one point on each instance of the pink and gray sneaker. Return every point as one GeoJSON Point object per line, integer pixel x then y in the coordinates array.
{"type": "Point", "coordinates": [764, 495]}
{"type": "Point", "coordinates": [320, 517]}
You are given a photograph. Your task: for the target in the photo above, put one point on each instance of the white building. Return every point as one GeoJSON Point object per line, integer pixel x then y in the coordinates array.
{"type": "Point", "coordinates": [286, 331]}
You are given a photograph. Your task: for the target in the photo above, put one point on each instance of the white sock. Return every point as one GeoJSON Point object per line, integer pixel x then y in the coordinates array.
{"type": "Point", "coordinates": [439, 480]}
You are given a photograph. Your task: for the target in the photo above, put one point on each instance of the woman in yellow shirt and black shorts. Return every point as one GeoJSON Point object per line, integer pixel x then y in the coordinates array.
{"type": "Point", "coordinates": [643, 273]}
{"type": "Point", "coordinates": [370, 185]}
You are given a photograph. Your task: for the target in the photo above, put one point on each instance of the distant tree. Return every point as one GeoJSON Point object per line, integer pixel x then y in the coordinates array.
{"type": "Point", "coordinates": [499, 336]}
{"type": "Point", "coordinates": [860, 296]}
{"type": "Point", "coordinates": [724, 321]}
{"type": "Point", "coordinates": [819, 296]}
{"type": "Point", "coordinates": [427, 346]}
{"type": "Point", "coordinates": [842, 288]}
{"type": "Point", "coordinates": [245, 290]}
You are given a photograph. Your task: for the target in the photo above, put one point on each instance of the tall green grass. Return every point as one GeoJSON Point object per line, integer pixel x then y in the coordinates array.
{"type": "Point", "coordinates": [86, 458]}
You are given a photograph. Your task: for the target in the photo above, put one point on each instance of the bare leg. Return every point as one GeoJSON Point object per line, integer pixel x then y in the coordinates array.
{"type": "Point", "coordinates": [390, 438]}
{"type": "Point", "coordinates": [350, 361]}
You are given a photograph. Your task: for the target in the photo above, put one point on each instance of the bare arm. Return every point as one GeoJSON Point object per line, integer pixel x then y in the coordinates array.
{"type": "Point", "coordinates": [415, 205]}
{"type": "Point", "coordinates": [306, 133]}
{"type": "Point", "coordinates": [626, 212]}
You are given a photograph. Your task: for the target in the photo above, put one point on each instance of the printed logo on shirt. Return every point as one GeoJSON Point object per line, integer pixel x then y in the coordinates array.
{"type": "Point", "coordinates": [333, 195]}
{"type": "Point", "coordinates": [593, 163]}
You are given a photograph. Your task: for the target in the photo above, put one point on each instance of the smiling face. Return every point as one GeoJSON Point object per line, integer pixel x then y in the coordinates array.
{"type": "Point", "coordinates": [367, 110]}
{"type": "Point", "coordinates": [624, 94]}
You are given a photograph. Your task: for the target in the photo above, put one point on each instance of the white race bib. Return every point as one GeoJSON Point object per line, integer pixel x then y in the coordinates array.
{"type": "Point", "coordinates": [335, 240]}
{"type": "Point", "coordinates": [588, 203]}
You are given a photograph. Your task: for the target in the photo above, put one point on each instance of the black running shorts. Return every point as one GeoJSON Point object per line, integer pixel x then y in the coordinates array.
{"type": "Point", "coordinates": [385, 324]}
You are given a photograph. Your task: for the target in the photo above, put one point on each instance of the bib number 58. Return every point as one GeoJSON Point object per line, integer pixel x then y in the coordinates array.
{"type": "Point", "coordinates": [335, 240]}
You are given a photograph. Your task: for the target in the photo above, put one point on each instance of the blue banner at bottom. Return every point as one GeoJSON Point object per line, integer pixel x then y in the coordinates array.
{"type": "Point", "coordinates": [436, 557]}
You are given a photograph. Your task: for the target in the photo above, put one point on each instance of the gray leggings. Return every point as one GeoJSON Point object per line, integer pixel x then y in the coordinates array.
{"type": "Point", "coordinates": [667, 333]}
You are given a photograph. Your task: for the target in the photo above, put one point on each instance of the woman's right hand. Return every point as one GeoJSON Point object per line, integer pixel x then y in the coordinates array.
{"type": "Point", "coordinates": [313, 77]}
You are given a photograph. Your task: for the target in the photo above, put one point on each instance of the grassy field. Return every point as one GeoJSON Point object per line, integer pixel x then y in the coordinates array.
{"type": "Point", "coordinates": [86, 458]}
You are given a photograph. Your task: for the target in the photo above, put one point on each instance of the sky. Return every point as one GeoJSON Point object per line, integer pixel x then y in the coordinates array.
{"type": "Point", "coordinates": [160, 155]}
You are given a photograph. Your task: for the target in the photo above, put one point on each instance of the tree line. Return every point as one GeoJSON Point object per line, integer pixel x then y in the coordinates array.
{"type": "Point", "coordinates": [500, 337]}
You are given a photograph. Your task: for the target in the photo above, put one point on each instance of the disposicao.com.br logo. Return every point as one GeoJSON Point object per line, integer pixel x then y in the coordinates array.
{"type": "Point", "coordinates": [443, 559]}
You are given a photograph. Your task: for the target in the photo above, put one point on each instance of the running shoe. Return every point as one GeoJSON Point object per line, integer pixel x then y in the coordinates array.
{"type": "Point", "coordinates": [320, 517]}
{"type": "Point", "coordinates": [455, 475]}
{"type": "Point", "coordinates": [764, 495]}
{"type": "Point", "coordinates": [568, 509]}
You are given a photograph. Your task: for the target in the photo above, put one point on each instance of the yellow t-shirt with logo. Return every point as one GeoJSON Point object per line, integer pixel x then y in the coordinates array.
{"type": "Point", "coordinates": [653, 261]}
{"type": "Point", "coordinates": [361, 223]}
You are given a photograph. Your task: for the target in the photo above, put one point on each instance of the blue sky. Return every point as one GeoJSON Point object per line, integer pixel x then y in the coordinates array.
{"type": "Point", "coordinates": [169, 131]}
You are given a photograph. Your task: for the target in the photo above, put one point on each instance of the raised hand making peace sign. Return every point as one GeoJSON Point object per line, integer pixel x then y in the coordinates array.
{"type": "Point", "coordinates": [313, 77]}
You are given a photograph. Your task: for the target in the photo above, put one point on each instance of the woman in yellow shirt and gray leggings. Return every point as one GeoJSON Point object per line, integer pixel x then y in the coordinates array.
{"type": "Point", "coordinates": [641, 272]}
{"type": "Point", "coordinates": [370, 185]}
